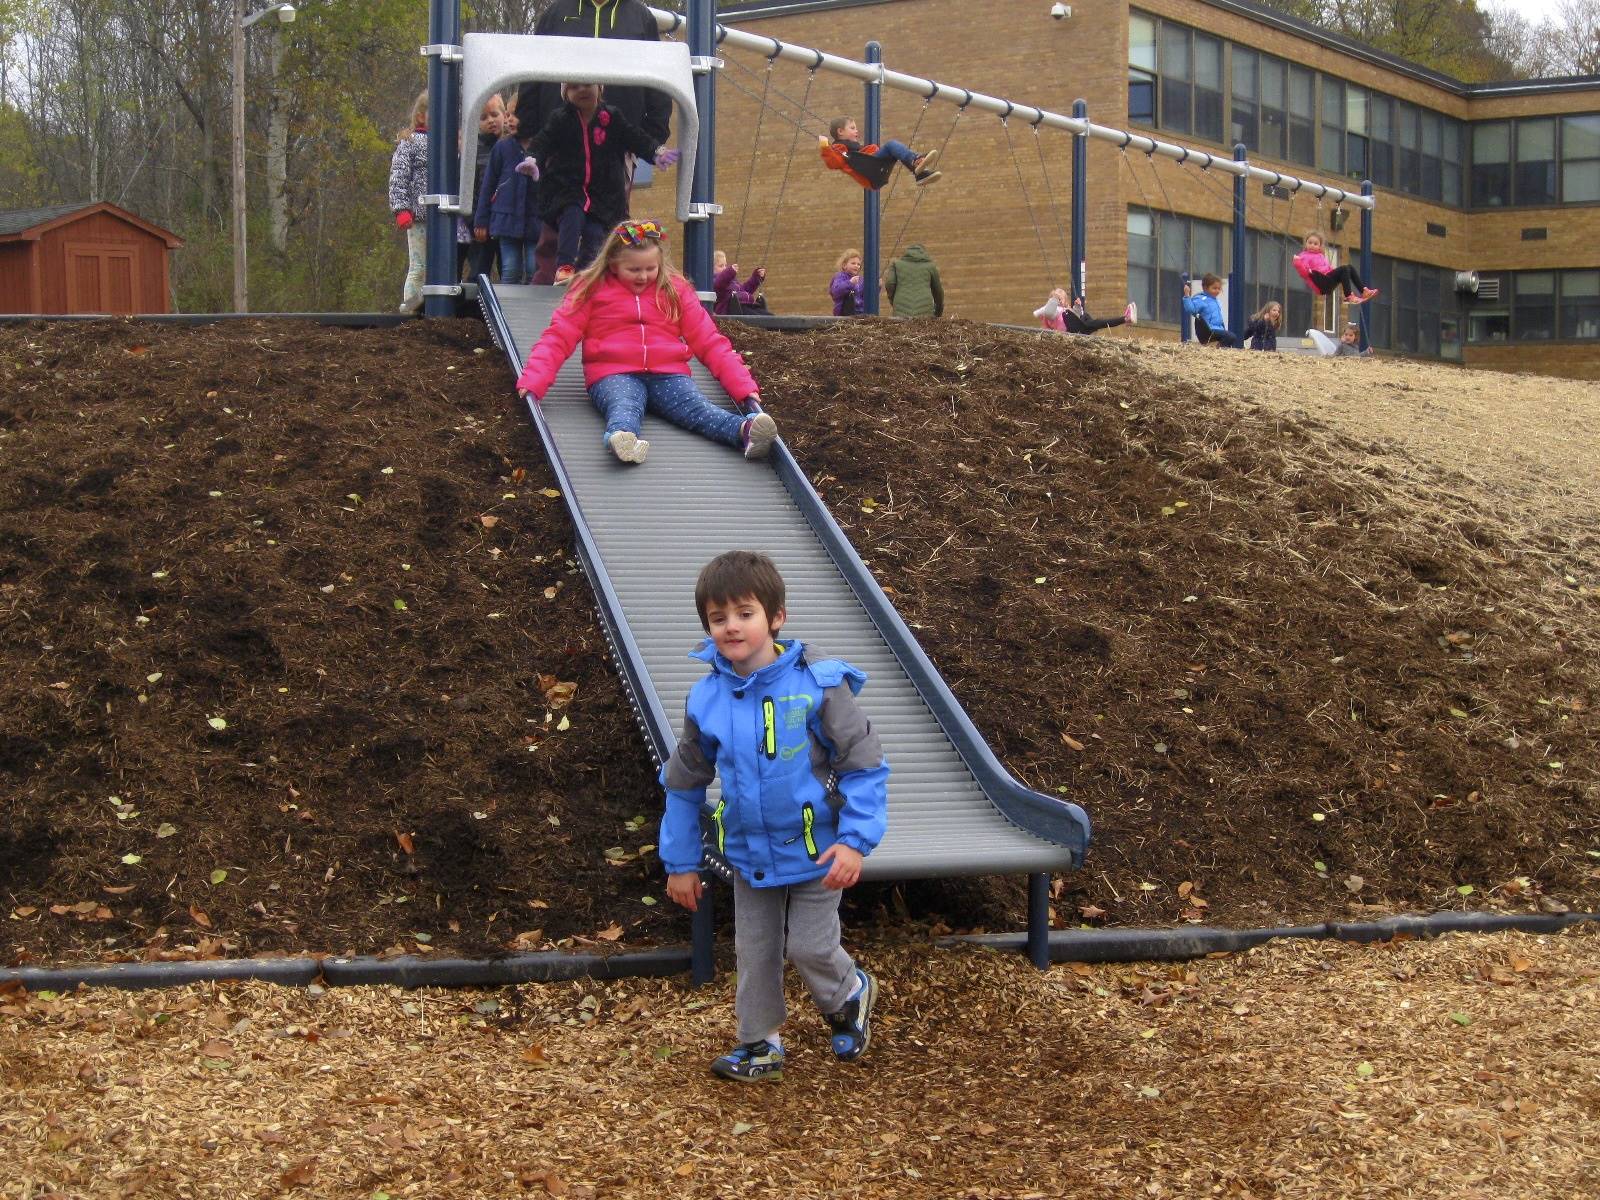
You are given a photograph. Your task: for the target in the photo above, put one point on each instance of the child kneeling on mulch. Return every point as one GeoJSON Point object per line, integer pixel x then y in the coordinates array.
{"type": "Point", "coordinates": [800, 808]}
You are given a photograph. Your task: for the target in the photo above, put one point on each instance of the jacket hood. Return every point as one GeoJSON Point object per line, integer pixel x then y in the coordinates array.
{"type": "Point", "coordinates": [788, 652]}
{"type": "Point", "coordinates": [915, 253]}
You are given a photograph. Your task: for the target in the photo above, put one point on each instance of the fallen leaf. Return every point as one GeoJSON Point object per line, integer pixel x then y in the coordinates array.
{"type": "Point", "coordinates": [1091, 912]}
{"type": "Point", "coordinates": [406, 844]}
{"type": "Point", "coordinates": [199, 916]}
{"type": "Point", "coordinates": [489, 522]}
{"type": "Point", "coordinates": [534, 1056]}
{"type": "Point", "coordinates": [610, 933]}
{"type": "Point", "coordinates": [1071, 742]}
{"type": "Point", "coordinates": [740, 1128]}
{"type": "Point", "coordinates": [299, 1175]}
{"type": "Point", "coordinates": [518, 475]}
{"type": "Point", "coordinates": [217, 1048]}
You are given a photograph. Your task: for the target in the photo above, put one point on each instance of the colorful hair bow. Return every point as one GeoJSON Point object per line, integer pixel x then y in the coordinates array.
{"type": "Point", "coordinates": [637, 233]}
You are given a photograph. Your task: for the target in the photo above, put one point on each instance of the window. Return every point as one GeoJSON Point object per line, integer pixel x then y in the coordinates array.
{"type": "Point", "coordinates": [1162, 249]}
{"type": "Point", "coordinates": [1177, 92]}
{"type": "Point", "coordinates": [1451, 192]}
{"type": "Point", "coordinates": [1580, 304]}
{"type": "Point", "coordinates": [1491, 323]}
{"type": "Point", "coordinates": [1245, 126]}
{"type": "Point", "coordinates": [1417, 311]}
{"type": "Point", "coordinates": [1355, 132]}
{"type": "Point", "coordinates": [1331, 158]}
{"type": "Point", "coordinates": [1491, 164]}
{"type": "Point", "coordinates": [1533, 306]}
{"type": "Point", "coordinates": [1141, 69]}
{"type": "Point", "coordinates": [1380, 312]}
{"type": "Point", "coordinates": [1432, 146]}
{"type": "Point", "coordinates": [1208, 110]}
{"type": "Point", "coordinates": [1580, 159]}
{"type": "Point", "coordinates": [1535, 173]}
{"type": "Point", "coordinates": [1380, 152]}
{"type": "Point", "coordinates": [1408, 165]}
{"type": "Point", "coordinates": [1302, 115]}
{"type": "Point", "coordinates": [1274, 119]}
{"type": "Point", "coordinates": [1142, 259]}
{"type": "Point", "coordinates": [1269, 275]}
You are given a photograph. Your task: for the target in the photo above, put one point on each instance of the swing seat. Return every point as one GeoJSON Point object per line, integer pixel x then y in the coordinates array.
{"type": "Point", "coordinates": [1305, 274]}
{"type": "Point", "coordinates": [870, 172]}
{"type": "Point", "coordinates": [494, 61]}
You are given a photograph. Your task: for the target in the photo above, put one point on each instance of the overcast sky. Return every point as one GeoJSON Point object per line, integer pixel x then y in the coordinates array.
{"type": "Point", "coordinates": [1536, 11]}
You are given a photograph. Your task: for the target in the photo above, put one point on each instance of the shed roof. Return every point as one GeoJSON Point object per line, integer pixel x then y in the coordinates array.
{"type": "Point", "coordinates": [27, 223]}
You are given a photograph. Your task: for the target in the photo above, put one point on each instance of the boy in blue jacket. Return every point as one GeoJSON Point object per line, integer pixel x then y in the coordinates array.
{"type": "Point", "coordinates": [804, 800]}
{"type": "Point", "coordinates": [1209, 323]}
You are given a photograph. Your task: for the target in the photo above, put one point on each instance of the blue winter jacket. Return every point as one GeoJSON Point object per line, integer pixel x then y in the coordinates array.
{"type": "Point", "coordinates": [508, 203]}
{"type": "Point", "coordinates": [1205, 306]}
{"type": "Point", "coordinates": [775, 737]}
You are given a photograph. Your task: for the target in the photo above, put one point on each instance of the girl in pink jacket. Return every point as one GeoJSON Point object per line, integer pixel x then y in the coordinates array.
{"type": "Point", "coordinates": [639, 321]}
{"type": "Point", "coordinates": [1321, 277]}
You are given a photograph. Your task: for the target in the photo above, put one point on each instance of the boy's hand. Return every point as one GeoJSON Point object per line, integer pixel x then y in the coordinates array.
{"type": "Point", "coordinates": [844, 866]}
{"type": "Point", "coordinates": [823, 142]}
{"type": "Point", "coordinates": [685, 889]}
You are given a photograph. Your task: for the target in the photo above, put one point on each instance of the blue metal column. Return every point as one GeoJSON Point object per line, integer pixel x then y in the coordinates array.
{"type": "Point", "coordinates": [1236, 274]}
{"type": "Point", "coordinates": [1366, 255]}
{"type": "Point", "coordinates": [699, 237]}
{"type": "Point", "coordinates": [871, 132]}
{"type": "Point", "coordinates": [444, 168]}
{"type": "Point", "coordinates": [1039, 919]}
{"type": "Point", "coordinates": [1080, 205]}
{"type": "Point", "coordinates": [703, 934]}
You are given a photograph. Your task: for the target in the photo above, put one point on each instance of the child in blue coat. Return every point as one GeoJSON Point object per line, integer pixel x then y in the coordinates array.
{"type": "Point", "coordinates": [804, 800]}
{"type": "Point", "coordinates": [1209, 323]}
{"type": "Point", "coordinates": [507, 208]}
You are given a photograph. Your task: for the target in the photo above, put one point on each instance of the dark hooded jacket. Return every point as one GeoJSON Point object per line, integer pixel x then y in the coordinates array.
{"type": "Point", "coordinates": [585, 165]}
{"type": "Point", "coordinates": [912, 284]}
{"type": "Point", "coordinates": [646, 108]}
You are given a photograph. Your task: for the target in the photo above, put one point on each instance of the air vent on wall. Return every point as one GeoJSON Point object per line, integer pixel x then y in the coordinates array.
{"type": "Point", "coordinates": [1535, 233]}
{"type": "Point", "coordinates": [1435, 230]}
{"type": "Point", "coordinates": [1488, 287]}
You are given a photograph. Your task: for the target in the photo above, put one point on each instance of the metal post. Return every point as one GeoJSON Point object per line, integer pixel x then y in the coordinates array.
{"type": "Point", "coordinates": [444, 168]}
{"type": "Point", "coordinates": [1185, 326]}
{"type": "Point", "coordinates": [699, 237]}
{"type": "Point", "coordinates": [1366, 255]}
{"type": "Point", "coordinates": [1039, 919]}
{"type": "Point", "coordinates": [1080, 205]}
{"type": "Point", "coordinates": [1236, 273]}
{"type": "Point", "coordinates": [702, 936]}
{"type": "Point", "coordinates": [241, 285]}
{"type": "Point", "coordinates": [871, 225]}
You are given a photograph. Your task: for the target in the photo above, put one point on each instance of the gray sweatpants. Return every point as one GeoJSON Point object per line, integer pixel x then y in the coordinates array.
{"type": "Point", "coordinates": [802, 921]}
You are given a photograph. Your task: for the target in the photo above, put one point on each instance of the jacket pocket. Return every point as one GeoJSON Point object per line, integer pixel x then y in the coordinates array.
{"type": "Point", "coordinates": [721, 826]}
{"type": "Point", "coordinates": [808, 830]}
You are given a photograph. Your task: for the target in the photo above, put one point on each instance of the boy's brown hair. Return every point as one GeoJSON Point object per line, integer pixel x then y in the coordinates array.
{"type": "Point", "coordinates": [731, 577]}
{"type": "Point", "coordinates": [1208, 280]}
{"type": "Point", "coordinates": [836, 127]}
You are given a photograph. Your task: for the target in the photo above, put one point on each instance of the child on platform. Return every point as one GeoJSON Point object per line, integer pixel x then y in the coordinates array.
{"type": "Point", "coordinates": [801, 807]}
{"type": "Point", "coordinates": [733, 296]}
{"type": "Point", "coordinates": [408, 182]}
{"type": "Point", "coordinates": [476, 253]}
{"type": "Point", "coordinates": [1056, 313]}
{"type": "Point", "coordinates": [1320, 276]}
{"type": "Point", "coordinates": [1350, 343]}
{"type": "Point", "coordinates": [847, 289]}
{"type": "Point", "coordinates": [507, 208]}
{"type": "Point", "coordinates": [1209, 325]}
{"type": "Point", "coordinates": [1262, 330]}
{"type": "Point", "coordinates": [639, 320]}
{"type": "Point", "coordinates": [871, 166]}
{"type": "Point", "coordinates": [581, 160]}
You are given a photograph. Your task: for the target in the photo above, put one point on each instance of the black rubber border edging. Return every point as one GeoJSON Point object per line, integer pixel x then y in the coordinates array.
{"type": "Point", "coordinates": [1073, 945]}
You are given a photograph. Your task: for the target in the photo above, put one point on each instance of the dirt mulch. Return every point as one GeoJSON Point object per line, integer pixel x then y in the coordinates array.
{"type": "Point", "coordinates": [1299, 656]}
{"type": "Point", "coordinates": [1465, 1067]}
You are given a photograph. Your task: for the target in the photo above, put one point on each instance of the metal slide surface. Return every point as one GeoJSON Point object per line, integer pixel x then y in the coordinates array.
{"type": "Point", "coordinates": [645, 531]}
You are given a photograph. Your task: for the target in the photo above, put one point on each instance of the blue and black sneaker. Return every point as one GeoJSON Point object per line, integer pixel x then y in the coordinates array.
{"type": "Point", "coordinates": [852, 1024]}
{"type": "Point", "coordinates": [751, 1062]}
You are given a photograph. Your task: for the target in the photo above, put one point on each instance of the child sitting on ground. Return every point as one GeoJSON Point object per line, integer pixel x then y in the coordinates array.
{"type": "Point", "coordinates": [847, 289]}
{"type": "Point", "coordinates": [580, 158]}
{"type": "Point", "coordinates": [1057, 314]}
{"type": "Point", "coordinates": [1209, 325]}
{"type": "Point", "coordinates": [1262, 330]}
{"type": "Point", "coordinates": [1313, 266]}
{"type": "Point", "coordinates": [639, 320]}
{"type": "Point", "coordinates": [800, 808]}
{"type": "Point", "coordinates": [871, 166]}
{"type": "Point", "coordinates": [1350, 343]}
{"type": "Point", "coordinates": [733, 296]}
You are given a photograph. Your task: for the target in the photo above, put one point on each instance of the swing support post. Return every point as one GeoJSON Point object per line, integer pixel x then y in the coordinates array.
{"type": "Point", "coordinates": [699, 236]}
{"type": "Point", "coordinates": [871, 222]}
{"type": "Point", "coordinates": [1236, 271]}
{"type": "Point", "coordinates": [1366, 255]}
{"type": "Point", "coordinates": [1080, 201]}
{"type": "Point", "coordinates": [440, 276]}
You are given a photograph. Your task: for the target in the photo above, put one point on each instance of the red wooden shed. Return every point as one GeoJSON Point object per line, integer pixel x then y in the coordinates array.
{"type": "Point", "coordinates": [83, 258]}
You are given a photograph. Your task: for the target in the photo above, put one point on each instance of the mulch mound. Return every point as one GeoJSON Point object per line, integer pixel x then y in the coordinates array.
{"type": "Point", "coordinates": [296, 656]}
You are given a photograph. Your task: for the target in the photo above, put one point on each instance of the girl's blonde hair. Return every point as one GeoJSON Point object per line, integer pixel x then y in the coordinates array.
{"type": "Point", "coordinates": [585, 281]}
{"type": "Point", "coordinates": [419, 114]}
{"type": "Point", "coordinates": [846, 257]}
{"type": "Point", "coordinates": [1266, 308]}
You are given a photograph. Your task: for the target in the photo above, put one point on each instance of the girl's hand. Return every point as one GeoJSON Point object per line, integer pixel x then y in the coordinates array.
{"type": "Point", "coordinates": [685, 889]}
{"type": "Point", "coordinates": [665, 158]}
{"type": "Point", "coordinates": [752, 398]}
{"type": "Point", "coordinates": [403, 219]}
{"type": "Point", "coordinates": [845, 868]}
{"type": "Point", "coordinates": [761, 272]}
{"type": "Point", "coordinates": [529, 167]}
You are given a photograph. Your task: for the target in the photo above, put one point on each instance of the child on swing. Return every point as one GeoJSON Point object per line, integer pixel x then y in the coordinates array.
{"type": "Point", "coordinates": [1321, 276]}
{"type": "Point", "coordinates": [639, 321]}
{"type": "Point", "coordinates": [871, 166]}
{"type": "Point", "coordinates": [1056, 313]}
{"type": "Point", "coordinates": [1209, 324]}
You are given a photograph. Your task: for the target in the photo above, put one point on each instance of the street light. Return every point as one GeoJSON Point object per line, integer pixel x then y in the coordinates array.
{"type": "Point", "coordinates": [285, 14]}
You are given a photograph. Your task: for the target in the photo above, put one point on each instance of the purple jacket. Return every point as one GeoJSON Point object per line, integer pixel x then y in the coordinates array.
{"type": "Point", "coordinates": [849, 300]}
{"type": "Point", "coordinates": [728, 288]}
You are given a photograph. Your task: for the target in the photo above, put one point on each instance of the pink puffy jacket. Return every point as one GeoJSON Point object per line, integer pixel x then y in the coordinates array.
{"type": "Point", "coordinates": [623, 333]}
{"type": "Point", "coordinates": [1308, 261]}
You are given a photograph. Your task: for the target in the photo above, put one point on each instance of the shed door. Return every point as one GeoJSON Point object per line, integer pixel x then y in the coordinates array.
{"type": "Point", "coordinates": [100, 278]}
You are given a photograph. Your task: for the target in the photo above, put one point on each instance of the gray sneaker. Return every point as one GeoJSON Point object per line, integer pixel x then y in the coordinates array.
{"type": "Point", "coordinates": [628, 447]}
{"type": "Point", "coordinates": [758, 434]}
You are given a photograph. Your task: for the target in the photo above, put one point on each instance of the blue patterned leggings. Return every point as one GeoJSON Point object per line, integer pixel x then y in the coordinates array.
{"type": "Point", "coordinates": [623, 399]}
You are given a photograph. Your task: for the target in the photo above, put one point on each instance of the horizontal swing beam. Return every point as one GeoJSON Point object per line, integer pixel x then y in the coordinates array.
{"type": "Point", "coordinates": [930, 89]}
